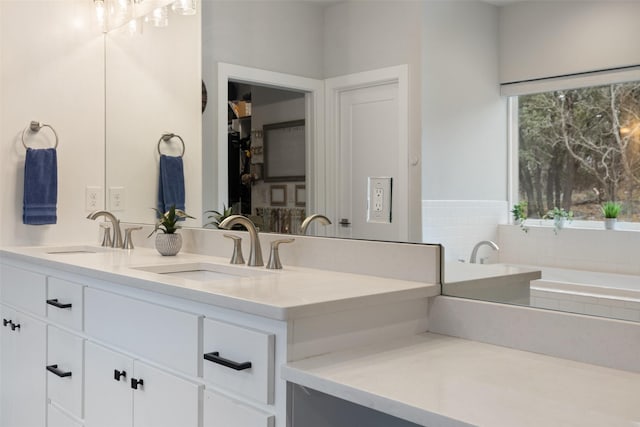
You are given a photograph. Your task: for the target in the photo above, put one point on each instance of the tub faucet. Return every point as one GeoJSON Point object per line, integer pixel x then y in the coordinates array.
{"type": "Point", "coordinates": [478, 245]}
{"type": "Point", "coordinates": [115, 225]}
{"type": "Point", "coordinates": [255, 253]}
{"type": "Point", "coordinates": [308, 220]}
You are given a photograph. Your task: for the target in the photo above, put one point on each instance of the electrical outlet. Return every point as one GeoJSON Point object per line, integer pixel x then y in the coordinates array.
{"type": "Point", "coordinates": [116, 199]}
{"type": "Point", "coordinates": [379, 200]}
{"type": "Point", "coordinates": [92, 198]}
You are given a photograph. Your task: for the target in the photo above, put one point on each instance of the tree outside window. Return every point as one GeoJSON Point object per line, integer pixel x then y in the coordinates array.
{"type": "Point", "coordinates": [580, 148]}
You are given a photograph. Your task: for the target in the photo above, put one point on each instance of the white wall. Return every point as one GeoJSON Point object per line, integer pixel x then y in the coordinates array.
{"type": "Point", "coordinates": [153, 87]}
{"type": "Point", "coordinates": [51, 55]}
{"type": "Point", "coordinates": [464, 133]}
{"type": "Point", "coordinates": [552, 38]}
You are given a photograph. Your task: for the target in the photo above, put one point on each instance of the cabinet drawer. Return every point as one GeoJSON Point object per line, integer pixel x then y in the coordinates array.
{"type": "Point", "coordinates": [65, 370]}
{"type": "Point", "coordinates": [23, 289]}
{"type": "Point", "coordinates": [64, 303]}
{"type": "Point", "coordinates": [164, 335]}
{"type": "Point", "coordinates": [228, 349]}
{"type": "Point", "coordinates": [56, 418]}
{"type": "Point", "coordinates": [221, 411]}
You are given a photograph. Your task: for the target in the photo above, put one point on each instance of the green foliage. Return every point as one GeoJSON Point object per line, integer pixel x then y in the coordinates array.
{"type": "Point", "coordinates": [519, 213]}
{"type": "Point", "coordinates": [559, 216]}
{"type": "Point", "coordinates": [168, 221]}
{"type": "Point", "coordinates": [218, 217]}
{"type": "Point", "coordinates": [581, 143]}
{"type": "Point", "coordinates": [519, 210]}
{"type": "Point", "coordinates": [611, 209]}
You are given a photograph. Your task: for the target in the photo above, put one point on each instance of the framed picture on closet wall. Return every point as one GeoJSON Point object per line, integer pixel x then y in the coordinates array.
{"type": "Point", "coordinates": [278, 195]}
{"type": "Point", "coordinates": [284, 151]}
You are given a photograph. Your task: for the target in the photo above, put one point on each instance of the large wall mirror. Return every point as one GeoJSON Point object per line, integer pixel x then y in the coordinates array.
{"type": "Point", "coordinates": [408, 90]}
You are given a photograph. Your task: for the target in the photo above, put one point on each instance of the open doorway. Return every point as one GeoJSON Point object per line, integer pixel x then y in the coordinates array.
{"type": "Point", "coordinates": [277, 151]}
{"type": "Point", "coordinates": [266, 155]}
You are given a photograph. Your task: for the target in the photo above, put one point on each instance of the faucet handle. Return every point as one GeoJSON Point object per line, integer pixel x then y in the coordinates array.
{"type": "Point", "coordinates": [106, 237]}
{"type": "Point", "coordinates": [274, 256]}
{"type": "Point", "coordinates": [236, 257]}
{"type": "Point", "coordinates": [128, 243]}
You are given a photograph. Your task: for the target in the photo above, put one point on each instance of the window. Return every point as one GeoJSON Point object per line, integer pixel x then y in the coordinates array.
{"type": "Point", "coordinates": [579, 148]}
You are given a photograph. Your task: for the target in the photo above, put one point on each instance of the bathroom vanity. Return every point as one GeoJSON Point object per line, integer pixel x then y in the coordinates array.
{"type": "Point", "coordinates": [106, 337]}
{"type": "Point", "coordinates": [102, 337]}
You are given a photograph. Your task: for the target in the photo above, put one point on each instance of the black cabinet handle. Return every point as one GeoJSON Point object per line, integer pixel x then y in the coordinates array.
{"type": "Point", "coordinates": [14, 326]}
{"type": "Point", "coordinates": [54, 369]}
{"type": "Point", "coordinates": [135, 383]}
{"type": "Point", "coordinates": [6, 322]}
{"type": "Point", "coordinates": [119, 374]}
{"type": "Point", "coordinates": [215, 358]}
{"type": "Point", "coordinates": [55, 303]}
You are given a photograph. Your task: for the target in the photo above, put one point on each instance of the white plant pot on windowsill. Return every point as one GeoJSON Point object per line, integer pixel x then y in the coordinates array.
{"type": "Point", "coordinates": [610, 223]}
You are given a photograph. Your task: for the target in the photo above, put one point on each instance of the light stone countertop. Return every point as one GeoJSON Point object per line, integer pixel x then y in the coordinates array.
{"type": "Point", "coordinates": [462, 272]}
{"type": "Point", "coordinates": [443, 381]}
{"type": "Point", "coordinates": [290, 293]}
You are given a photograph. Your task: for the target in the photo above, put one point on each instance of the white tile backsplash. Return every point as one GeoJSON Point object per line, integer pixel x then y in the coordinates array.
{"type": "Point", "coordinates": [459, 224]}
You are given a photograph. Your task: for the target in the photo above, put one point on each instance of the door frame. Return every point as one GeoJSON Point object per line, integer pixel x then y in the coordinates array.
{"type": "Point", "coordinates": [333, 88]}
{"type": "Point", "coordinates": [314, 129]}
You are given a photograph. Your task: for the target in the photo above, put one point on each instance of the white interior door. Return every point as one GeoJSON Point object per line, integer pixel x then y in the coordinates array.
{"type": "Point", "coordinates": [369, 128]}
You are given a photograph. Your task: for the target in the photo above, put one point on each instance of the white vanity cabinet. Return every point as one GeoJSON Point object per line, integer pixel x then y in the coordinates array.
{"type": "Point", "coordinates": [124, 392]}
{"type": "Point", "coordinates": [24, 352]}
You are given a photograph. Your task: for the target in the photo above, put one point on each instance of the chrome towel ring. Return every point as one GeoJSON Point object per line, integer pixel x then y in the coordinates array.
{"type": "Point", "coordinates": [35, 127]}
{"type": "Point", "coordinates": [166, 137]}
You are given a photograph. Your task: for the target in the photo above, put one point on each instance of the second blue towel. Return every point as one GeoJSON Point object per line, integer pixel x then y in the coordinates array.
{"type": "Point", "coordinates": [171, 184]}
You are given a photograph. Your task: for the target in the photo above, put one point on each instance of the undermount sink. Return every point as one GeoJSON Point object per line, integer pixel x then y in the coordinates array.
{"type": "Point", "coordinates": [78, 249]}
{"type": "Point", "coordinates": [202, 271]}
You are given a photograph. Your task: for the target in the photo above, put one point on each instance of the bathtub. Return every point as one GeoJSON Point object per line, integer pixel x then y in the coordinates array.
{"type": "Point", "coordinates": [585, 292]}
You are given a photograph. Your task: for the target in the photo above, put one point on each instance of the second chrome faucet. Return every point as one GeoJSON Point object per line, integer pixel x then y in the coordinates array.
{"type": "Point", "coordinates": [255, 252]}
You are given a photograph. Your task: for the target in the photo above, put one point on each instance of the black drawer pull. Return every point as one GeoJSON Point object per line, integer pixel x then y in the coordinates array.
{"type": "Point", "coordinates": [6, 322]}
{"type": "Point", "coordinates": [55, 303]}
{"type": "Point", "coordinates": [135, 383]}
{"type": "Point", "coordinates": [119, 374]}
{"type": "Point", "coordinates": [54, 369]}
{"type": "Point", "coordinates": [14, 326]}
{"type": "Point", "coordinates": [215, 358]}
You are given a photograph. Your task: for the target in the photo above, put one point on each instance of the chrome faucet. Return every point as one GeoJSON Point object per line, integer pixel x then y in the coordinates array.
{"type": "Point", "coordinates": [255, 252]}
{"type": "Point", "coordinates": [308, 220]}
{"type": "Point", "coordinates": [115, 225]}
{"type": "Point", "coordinates": [478, 245]}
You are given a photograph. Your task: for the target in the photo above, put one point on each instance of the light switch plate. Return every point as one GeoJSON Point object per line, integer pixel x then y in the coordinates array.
{"type": "Point", "coordinates": [379, 199]}
{"type": "Point", "coordinates": [116, 199]}
{"type": "Point", "coordinates": [92, 198]}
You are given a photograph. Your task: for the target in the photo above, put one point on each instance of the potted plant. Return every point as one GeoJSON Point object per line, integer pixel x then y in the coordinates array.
{"type": "Point", "coordinates": [611, 210]}
{"type": "Point", "coordinates": [218, 217]}
{"type": "Point", "coordinates": [559, 217]}
{"type": "Point", "coordinates": [169, 243]}
{"type": "Point", "coordinates": [519, 212]}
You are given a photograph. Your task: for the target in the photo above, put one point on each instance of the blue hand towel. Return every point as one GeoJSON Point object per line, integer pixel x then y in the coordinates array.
{"type": "Point", "coordinates": [40, 186]}
{"type": "Point", "coordinates": [171, 184]}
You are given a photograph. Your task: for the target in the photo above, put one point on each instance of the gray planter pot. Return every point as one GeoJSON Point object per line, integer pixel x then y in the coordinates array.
{"type": "Point", "coordinates": [168, 244]}
{"type": "Point", "coordinates": [610, 223]}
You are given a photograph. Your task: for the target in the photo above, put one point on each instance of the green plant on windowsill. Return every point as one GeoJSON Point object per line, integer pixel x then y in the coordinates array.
{"type": "Point", "coordinates": [218, 217]}
{"type": "Point", "coordinates": [611, 210]}
{"type": "Point", "coordinates": [559, 217]}
{"type": "Point", "coordinates": [519, 213]}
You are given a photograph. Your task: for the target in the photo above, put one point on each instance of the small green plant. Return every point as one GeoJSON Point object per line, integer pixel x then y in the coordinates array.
{"type": "Point", "coordinates": [559, 216]}
{"type": "Point", "coordinates": [218, 217]}
{"type": "Point", "coordinates": [168, 221]}
{"type": "Point", "coordinates": [611, 209]}
{"type": "Point", "coordinates": [519, 213]}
